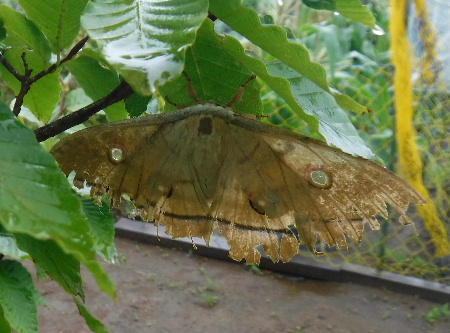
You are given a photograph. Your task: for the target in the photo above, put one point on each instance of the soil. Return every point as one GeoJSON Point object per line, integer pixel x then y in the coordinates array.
{"type": "Point", "coordinates": [168, 290]}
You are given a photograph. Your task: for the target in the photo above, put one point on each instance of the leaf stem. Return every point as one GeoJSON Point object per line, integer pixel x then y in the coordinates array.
{"type": "Point", "coordinates": [122, 91]}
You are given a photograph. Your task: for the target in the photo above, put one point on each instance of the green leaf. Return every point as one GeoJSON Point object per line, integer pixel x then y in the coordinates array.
{"type": "Point", "coordinates": [352, 9]}
{"type": "Point", "coordinates": [26, 280]}
{"type": "Point", "coordinates": [36, 198]}
{"type": "Point", "coordinates": [8, 246]}
{"type": "Point", "coordinates": [216, 75]}
{"type": "Point", "coordinates": [355, 10]}
{"type": "Point", "coordinates": [102, 228]}
{"type": "Point", "coordinates": [334, 123]}
{"type": "Point", "coordinates": [94, 324]}
{"type": "Point", "coordinates": [271, 38]}
{"type": "Point", "coordinates": [44, 95]}
{"type": "Point", "coordinates": [17, 297]}
{"type": "Point", "coordinates": [349, 103]}
{"type": "Point", "coordinates": [321, 4]}
{"type": "Point", "coordinates": [276, 41]}
{"type": "Point", "coordinates": [59, 20]}
{"type": "Point", "coordinates": [145, 40]}
{"type": "Point", "coordinates": [97, 82]}
{"type": "Point", "coordinates": [40, 273]}
{"type": "Point", "coordinates": [76, 99]}
{"type": "Point", "coordinates": [4, 325]}
{"type": "Point", "coordinates": [317, 107]}
{"type": "Point", "coordinates": [267, 20]}
{"type": "Point", "coordinates": [22, 33]}
{"type": "Point", "coordinates": [2, 30]}
{"type": "Point", "coordinates": [136, 105]}
{"type": "Point", "coordinates": [62, 267]}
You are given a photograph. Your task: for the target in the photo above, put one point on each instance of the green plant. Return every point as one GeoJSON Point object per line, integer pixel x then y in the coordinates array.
{"type": "Point", "coordinates": [211, 286]}
{"type": "Point", "coordinates": [297, 329]}
{"type": "Point", "coordinates": [210, 300]}
{"type": "Point", "coordinates": [174, 285]}
{"type": "Point", "coordinates": [124, 61]}
{"type": "Point", "coordinates": [205, 292]}
{"type": "Point", "coordinates": [439, 313]}
{"type": "Point", "coordinates": [255, 269]}
{"type": "Point", "coordinates": [386, 314]}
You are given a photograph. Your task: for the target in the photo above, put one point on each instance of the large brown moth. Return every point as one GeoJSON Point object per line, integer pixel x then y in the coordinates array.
{"type": "Point", "coordinates": [206, 167]}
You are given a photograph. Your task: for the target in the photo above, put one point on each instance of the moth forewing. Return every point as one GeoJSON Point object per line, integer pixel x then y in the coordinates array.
{"type": "Point", "coordinates": [205, 167]}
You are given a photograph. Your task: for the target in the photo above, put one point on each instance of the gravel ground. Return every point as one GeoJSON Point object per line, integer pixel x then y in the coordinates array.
{"type": "Point", "coordinates": [168, 290]}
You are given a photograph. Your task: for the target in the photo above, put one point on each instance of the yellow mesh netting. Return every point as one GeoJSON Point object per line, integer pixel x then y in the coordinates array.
{"type": "Point", "coordinates": [410, 161]}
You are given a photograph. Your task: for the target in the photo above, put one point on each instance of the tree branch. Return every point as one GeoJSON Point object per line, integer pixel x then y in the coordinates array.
{"type": "Point", "coordinates": [26, 80]}
{"type": "Point", "coordinates": [75, 49]}
{"type": "Point", "coordinates": [10, 68]}
{"type": "Point", "coordinates": [122, 91]}
{"type": "Point", "coordinates": [24, 87]}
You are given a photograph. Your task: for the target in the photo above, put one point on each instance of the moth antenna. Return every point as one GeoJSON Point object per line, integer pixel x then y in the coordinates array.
{"type": "Point", "coordinates": [240, 93]}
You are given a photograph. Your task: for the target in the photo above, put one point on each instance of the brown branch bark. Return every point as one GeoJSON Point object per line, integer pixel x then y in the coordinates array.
{"type": "Point", "coordinates": [122, 91]}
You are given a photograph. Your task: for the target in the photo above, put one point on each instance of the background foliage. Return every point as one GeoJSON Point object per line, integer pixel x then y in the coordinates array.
{"type": "Point", "coordinates": [50, 70]}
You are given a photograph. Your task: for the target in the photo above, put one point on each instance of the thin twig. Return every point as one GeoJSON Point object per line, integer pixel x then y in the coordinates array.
{"type": "Point", "coordinates": [27, 70]}
{"type": "Point", "coordinates": [10, 68]}
{"type": "Point", "coordinates": [77, 47]}
{"type": "Point", "coordinates": [24, 86]}
{"type": "Point", "coordinates": [122, 91]}
{"type": "Point", "coordinates": [26, 80]}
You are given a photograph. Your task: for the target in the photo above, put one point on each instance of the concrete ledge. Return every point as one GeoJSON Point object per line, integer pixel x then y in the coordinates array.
{"type": "Point", "coordinates": [303, 266]}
